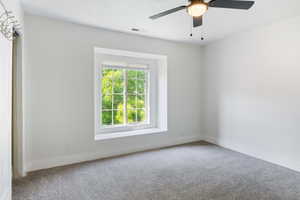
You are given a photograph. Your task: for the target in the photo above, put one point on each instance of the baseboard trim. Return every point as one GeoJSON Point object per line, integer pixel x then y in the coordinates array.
{"type": "Point", "coordinates": [73, 159]}
{"type": "Point", "coordinates": [276, 162]}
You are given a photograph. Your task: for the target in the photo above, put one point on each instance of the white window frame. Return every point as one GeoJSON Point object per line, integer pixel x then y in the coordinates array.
{"type": "Point", "coordinates": [157, 69]}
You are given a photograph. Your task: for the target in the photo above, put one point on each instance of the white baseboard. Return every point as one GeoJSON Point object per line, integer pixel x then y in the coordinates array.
{"type": "Point", "coordinates": [72, 159]}
{"type": "Point", "coordinates": [231, 147]}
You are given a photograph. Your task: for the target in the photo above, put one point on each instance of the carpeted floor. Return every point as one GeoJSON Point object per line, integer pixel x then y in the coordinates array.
{"type": "Point", "coordinates": [197, 171]}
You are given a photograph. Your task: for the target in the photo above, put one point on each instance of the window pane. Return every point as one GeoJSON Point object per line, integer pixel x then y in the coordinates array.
{"type": "Point", "coordinates": [107, 117]}
{"type": "Point", "coordinates": [118, 117]}
{"type": "Point", "coordinates": [131, 102]}
{"type": "Point", "coordinates": [132, 74]}
{"type": "Point", "coordinates": [141, 74]}
{"type": "Point", "coordinates": [106, 102]}
{"type": "Point", "coordinates": [117, 74]}
{"type": "Point", "coordinates": [140, 101]}
{"type": "Point", "coordinates": [118, 85]}
{"type": "Point", "coordinates": [141, 115]}
{"type": "Point", "coordinates": [107, 73]}
{"type": "Point", "coordinates": [118, 102]}
{"type": "Point", "coordinates": [131, 86]}
{"type": "Point", "coordinates": [106, 84]}
{"type": "Point", "coordinates": [131, 116]}
{"type": "Point", "coordinates": [140, 86]}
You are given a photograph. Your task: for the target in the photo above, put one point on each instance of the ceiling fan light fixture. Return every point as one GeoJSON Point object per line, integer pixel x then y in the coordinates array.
{"type": "Point", "coordinates": [197, 9]}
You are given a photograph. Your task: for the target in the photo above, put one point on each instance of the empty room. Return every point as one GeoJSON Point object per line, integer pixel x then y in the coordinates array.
{"type": "Point", "coordinates": [149, 100]}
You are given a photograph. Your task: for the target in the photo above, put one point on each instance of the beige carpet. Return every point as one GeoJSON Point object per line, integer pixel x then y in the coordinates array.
{"type": "Point", "coordinates": [198, 171]}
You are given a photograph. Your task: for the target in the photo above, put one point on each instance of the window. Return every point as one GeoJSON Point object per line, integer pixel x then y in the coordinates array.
{"type": "Point", "coordinates": [130, 93]}
{"type": "Point", "coordinates": [124, 96]}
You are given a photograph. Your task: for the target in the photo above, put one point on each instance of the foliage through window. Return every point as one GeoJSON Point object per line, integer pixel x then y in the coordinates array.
{"type": "Point", "coordinates": [124, 96]}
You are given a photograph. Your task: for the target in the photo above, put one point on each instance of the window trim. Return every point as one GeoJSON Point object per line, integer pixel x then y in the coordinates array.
{"type": "Point", "coordinates": [161, 95]}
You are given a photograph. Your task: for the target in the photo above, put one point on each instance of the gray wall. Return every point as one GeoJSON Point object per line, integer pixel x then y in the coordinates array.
{"type": "Point", "coordinates": [59, 110]}
{"type": "Point", "coordinates": [253, 92]}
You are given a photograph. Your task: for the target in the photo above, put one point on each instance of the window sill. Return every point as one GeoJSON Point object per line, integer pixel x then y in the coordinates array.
{"type": "Point", "coordinates": [115, 135]}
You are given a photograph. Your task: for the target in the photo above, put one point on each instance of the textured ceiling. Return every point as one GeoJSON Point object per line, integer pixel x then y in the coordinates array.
{"type": "Point", "coordinates": [122, 15]}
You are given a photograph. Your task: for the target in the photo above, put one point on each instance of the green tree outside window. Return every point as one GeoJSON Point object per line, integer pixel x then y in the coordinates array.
{"type": "Point", "coordinates": [122, 87]}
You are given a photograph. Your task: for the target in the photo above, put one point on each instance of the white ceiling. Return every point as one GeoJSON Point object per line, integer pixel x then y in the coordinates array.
{"type": "Point", "coordinates": [122, 15]}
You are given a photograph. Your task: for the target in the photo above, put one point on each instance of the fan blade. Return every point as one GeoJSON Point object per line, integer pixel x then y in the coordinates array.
{"type": "Point", "coordinates": [197, 21]}
{"type": "Point", "coordinates": [231, 4]}
{"type": "Point", "coordinates": [167, 12]}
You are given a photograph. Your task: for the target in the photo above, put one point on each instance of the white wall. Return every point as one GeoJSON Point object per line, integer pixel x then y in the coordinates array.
{"type": "Point", "coordinates": [6, 105]}
{"type": "Point", "coordinates": [5, 117]}
{"type": "Point", "coordinates": [253, 92]}
{"type": "Point", "coordinates": [59, 107]}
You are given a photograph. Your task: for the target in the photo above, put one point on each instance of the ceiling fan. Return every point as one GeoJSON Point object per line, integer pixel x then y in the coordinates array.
{"type": "Point", "coordinates": [196, 8]}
